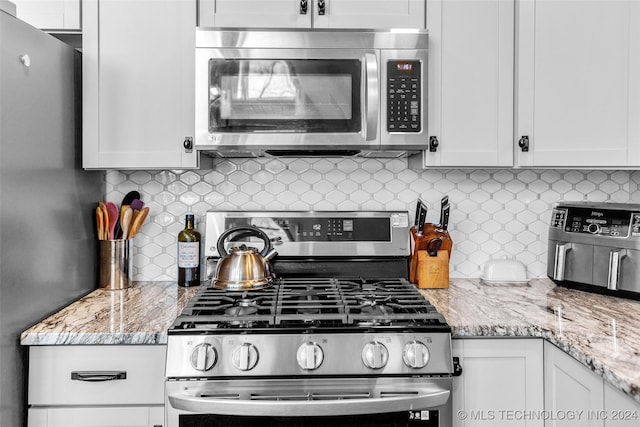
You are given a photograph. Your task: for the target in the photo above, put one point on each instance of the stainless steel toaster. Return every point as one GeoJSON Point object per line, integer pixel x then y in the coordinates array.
{"type": "Point", "coordinates": [596, 247]}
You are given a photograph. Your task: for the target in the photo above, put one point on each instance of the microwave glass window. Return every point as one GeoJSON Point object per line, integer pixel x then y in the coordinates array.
{"type": "Point", "coordinates": [254, 95]}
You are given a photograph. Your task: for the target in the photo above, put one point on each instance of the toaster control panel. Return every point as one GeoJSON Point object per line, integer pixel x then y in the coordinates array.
{"type": "Point", "coordinates": [595, 221]}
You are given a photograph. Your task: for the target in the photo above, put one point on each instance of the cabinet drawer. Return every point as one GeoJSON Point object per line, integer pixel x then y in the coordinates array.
{"type": "Point", "coordinates": [96, 375]}
{"type": "Point", "coordinates": [112, 416]}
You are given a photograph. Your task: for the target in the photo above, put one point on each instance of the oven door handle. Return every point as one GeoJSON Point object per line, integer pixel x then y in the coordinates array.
{"type": "Point", "coordinates": [298, 408]}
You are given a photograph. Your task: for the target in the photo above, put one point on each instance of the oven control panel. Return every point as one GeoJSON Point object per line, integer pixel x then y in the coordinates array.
{"type": "Point", "coordinates": [596, 220]}
{"type": "Point", "coordinates": [315, 354]}
{"type": "Point", "coordinates": [403, 96]}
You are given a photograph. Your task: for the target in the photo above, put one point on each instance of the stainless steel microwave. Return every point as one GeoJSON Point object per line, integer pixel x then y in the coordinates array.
{"type": "Point", "coordinates": [293, 91]}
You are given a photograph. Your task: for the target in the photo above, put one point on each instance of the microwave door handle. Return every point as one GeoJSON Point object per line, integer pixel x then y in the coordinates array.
{"type": "Point", "coordinates": [560, 260]}
{"type": "Point", "coordinates": [371, 96]}
{"type": "Point", "coordinates": [292, 408]}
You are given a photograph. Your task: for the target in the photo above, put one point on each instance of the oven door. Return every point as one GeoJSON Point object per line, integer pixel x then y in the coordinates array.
{"type": "Point", "coordinates": [286, 98]}
{"type": "Point", "coordinates": [337, 402]}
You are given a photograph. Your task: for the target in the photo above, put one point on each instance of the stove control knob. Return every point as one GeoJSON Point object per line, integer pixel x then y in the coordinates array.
{"type": "Point", "coordinates": [415, 355]}
{"type": "Point", "coordinates": [375, 355]}
{"type": "Point", "coordinates": [203, 357]}
{"type": "Point", "coordinates": [245, 357]}
{"type": "Point", "coordinates": [310, 356]}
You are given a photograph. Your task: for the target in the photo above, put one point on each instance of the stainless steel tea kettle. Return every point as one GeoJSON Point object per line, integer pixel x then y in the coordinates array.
{"type": "Point", "coordinates": [244, 268]}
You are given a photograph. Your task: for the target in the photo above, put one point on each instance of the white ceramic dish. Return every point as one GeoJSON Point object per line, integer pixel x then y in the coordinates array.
{"type": "Point", "coordinates": [504, 271]}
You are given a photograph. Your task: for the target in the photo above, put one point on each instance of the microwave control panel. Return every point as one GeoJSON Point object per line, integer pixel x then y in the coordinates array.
{"type": "Point", "coordinates": [598, 222]}
{"type": "Point", "coordinates": [403, 96]}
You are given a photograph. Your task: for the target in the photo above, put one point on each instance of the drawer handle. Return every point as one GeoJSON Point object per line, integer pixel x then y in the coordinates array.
{"type": "Point", "coordinates": [97, 376]}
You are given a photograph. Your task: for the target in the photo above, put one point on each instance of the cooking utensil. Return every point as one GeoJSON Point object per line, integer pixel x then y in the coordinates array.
{"type": "Point", "coordinates": [433, 246]}
{"type": "Point", "coordinates": [421, 218]}
{"type": "Point", "coordinates": [126, 201]}
{"type": "Point", "coordinates": [112, 213]}
{"type": "Point", "coordinates": [242, 267]}
{"type": "Point", "coordinates": [440, 230]}
{"type": "Point", "coordinates": [418, 210]}
{"type": "Point", "coordinates": [137, 204]}
{"type": "Point", "coordinates": [100, 223]}
{"type": "Point", "coordinates": [125, 221]}
{"type": "Point", "coordinates": [137, 222]}
{"type": "Point", "coordinates": [416, 233]}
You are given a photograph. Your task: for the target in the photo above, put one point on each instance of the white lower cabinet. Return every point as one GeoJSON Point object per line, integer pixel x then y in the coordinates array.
{"type": "Point", "coordinates": [572, 391]}
{"type": "Point", "coordinates": [501, 382]}
{"type": "Point", "coordinates": [576, 396]}
{"type": "Point", "coordinates": [111, 416]}
{"type": "Point", "coordinates": [620, 409]}
{"type": "Point", "coordinates": [96, 386]}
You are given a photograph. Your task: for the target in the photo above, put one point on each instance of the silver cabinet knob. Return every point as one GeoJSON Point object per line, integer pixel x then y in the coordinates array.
{"type": "Point", "coordinates": [25, 60]}
{"type": "Point", "coordinates": [415, 355]}
{"type": "Point", "coordinates": [375, 355]}
{"type": "Point", "coordinates": [310, 356]}
{"type": "Point", "coordinates": [203, 357]}
{"type": "Point", "coordinates": [245, 357]}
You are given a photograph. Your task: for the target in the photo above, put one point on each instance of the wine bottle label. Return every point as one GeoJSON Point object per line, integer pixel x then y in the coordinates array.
{"type": "Point", "coordinates": [188, 254]}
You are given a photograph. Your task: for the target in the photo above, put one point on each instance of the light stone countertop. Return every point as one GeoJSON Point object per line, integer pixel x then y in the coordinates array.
{"type": "Point", "coordinates": [140, 314]}
{"type": "Point", "coordinates": [601, 332]}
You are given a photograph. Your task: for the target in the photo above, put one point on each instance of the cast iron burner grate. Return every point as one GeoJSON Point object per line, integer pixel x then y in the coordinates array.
{"type": "Point", "coordinates": [328, 303]}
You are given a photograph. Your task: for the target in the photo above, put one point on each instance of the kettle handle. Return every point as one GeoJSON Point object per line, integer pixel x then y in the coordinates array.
{"type": "Point", "coordinates": [249, 230]}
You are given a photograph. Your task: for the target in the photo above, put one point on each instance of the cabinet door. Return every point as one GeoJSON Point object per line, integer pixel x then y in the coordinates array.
{"type": "Point", "coordinates": [50, 15]}
{"type": "Point", "coordinates": [578, 90]}
{"type": "Point", "coordinates": [500, 379]}
{"type": "Point", "coordinates": [255, 13]}
{"type": "Point", "coordinates": [470, 82]}
{"type": "Point", "coordinates": [138, 84]}
{"type": "Point", "coordinates": [620, 410]}
{"type": "Point", "coordinates": [378, 14]}
{"type": "Point", "coordinates": [572, 389]}
{"type": "Point", "coordinates": [105, 416]}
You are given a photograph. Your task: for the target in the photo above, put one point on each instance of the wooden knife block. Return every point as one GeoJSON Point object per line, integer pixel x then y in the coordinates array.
{"type": "Point", "coordinates": [433, 271]}
{"type": "Point", "coordinates": [419, 243]}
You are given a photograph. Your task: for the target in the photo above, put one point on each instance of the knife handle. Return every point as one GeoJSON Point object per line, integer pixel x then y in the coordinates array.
{"type": "Point", "coordinates": [445, 217]}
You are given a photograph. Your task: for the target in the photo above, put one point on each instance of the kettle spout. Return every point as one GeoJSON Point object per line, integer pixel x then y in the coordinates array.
{"type": "Point", "coordinates": [272, 253]}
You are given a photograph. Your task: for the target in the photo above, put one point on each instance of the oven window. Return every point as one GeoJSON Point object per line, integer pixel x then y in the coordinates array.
{"type": "Point", "coordinates": [305, 95]}
{"type": "Point", "coordinates": [395, 419]}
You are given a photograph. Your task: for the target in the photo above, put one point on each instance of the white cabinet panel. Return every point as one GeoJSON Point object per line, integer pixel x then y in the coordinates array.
{"type": "Point", "coordinates": [254, 14]}
{"type": "Point", "coordinates": [499, 378]}
{"type": "Point", "coordinates": [620, 410]}
{"type": "Point", "coordinates": [57, 395]}
{"type": "Point", "coordinates": [578, 77]}
{"type": "Point", "coordinates": [126, 416]}
{"type": "Point", "coordinates": [377, 14]}
{"type": "Point", "coordinates": [58, 15]}
{"type": "Point", "coordinates": [571, 388]}
{"type": "Point", "coordinates": [471, 60]}
{"type": "Point", "coordinates": [138, 80]}
{"type": "Point", "coordinates": [52, 368]}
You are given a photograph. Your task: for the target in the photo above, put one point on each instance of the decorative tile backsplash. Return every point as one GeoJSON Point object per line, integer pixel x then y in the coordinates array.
{"type": "Point", "coordinates": [494, 213]}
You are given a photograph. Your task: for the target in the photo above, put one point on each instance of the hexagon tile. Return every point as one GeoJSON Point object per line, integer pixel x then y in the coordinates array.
{"type": "Point", "coordinates": [494, 213]}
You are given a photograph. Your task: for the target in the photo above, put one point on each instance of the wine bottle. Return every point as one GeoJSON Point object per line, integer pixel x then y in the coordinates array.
{"type": "Point", "coordinates": [189, 254]}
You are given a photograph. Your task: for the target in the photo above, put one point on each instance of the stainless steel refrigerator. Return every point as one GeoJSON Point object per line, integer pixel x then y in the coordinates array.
{"type": "Point", "coordinates": [47, 242]}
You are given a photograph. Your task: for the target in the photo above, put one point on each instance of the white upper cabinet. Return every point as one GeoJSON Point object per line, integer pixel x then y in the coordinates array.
{"type": "Point", "coordinates": [138, 84]}
{"type": "Point", "coordinates": [470, 115]}
{"type": "Point", "coordinates": [578, 83]}
{"type": "Point", "coordinates": [377, 14]}
{"type": "Point", "coordinates": [50, 15]}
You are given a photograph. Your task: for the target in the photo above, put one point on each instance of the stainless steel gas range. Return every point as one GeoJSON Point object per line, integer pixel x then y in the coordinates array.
{"type": "Point", "coordinates": [341, 337]}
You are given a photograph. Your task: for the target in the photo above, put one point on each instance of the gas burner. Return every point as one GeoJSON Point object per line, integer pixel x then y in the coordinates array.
{"type": "Point", "coordinates": [313, 303]}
